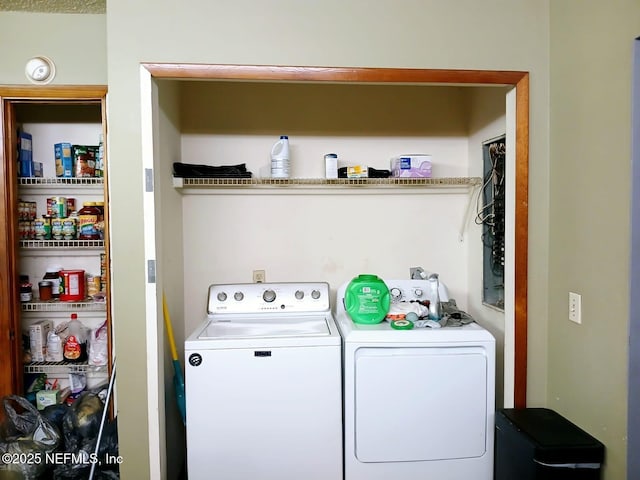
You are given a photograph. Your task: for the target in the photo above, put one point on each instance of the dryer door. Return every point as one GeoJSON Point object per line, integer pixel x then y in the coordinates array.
{"type": "Point", "coordinates": [418, 404]}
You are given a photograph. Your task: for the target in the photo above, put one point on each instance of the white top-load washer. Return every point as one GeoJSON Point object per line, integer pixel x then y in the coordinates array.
{"type": "Point", "coordinates": [419, 403]}
{"type": "Point", "coordinates": [263, 385]}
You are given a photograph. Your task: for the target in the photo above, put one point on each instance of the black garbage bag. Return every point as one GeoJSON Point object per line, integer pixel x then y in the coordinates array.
{"type": "Point", "coordinates": [82, 421]}
{"type": "Point", "coordinates": [80, 428]}
{"type": "Point", "coordinates": [26, 438]}
{"type": "Point", "coordinates": [55, 414]}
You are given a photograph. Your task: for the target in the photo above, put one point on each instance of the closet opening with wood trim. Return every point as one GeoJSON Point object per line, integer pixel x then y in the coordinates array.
{"type": "Point", "coordinates": [195, 113]}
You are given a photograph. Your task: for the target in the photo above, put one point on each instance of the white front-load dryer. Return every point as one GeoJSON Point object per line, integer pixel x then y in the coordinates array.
{"type": "Point", "coordinates": [418, 404]}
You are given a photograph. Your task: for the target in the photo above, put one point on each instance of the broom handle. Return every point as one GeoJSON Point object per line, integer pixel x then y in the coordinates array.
{"type": "Point", "coordinates": [167, 324]}
{"type": "Point", "coordinates": [104, 416]}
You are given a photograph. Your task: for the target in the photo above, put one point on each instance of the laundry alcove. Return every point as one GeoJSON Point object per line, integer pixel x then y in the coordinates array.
{"type": "Point", "coordinates": [316, 231]}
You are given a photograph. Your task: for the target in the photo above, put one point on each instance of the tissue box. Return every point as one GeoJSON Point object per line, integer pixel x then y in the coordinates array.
{"type": "Point", "coordinates": [412, 165]}
{"type": "Point", "coordinates": [46, 398]}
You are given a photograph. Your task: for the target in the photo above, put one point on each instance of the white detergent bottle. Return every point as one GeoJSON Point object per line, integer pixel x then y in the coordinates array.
{"type": "Point", "coordinates": [280, 165]}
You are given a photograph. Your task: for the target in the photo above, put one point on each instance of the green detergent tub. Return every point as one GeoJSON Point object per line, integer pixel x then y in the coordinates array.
{"type": "Point", "coordinates": [367, 299]}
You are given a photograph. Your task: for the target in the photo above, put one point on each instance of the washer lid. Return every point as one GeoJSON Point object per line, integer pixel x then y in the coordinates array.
{"type": "Point", "coordinates": [266, 327]}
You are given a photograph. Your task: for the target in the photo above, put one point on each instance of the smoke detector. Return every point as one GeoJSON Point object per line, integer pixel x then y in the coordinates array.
{"type": "Point", "coordinates": [40, 70]}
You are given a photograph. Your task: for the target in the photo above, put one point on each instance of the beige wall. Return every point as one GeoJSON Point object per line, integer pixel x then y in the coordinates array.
{"type": "Point", "coordinates": [591, 55]}
{"type": "Point", "coordinates": [421, 34]}
{"type": "Point", "coordinates": [578, 223]}
{"type": "Point", "coordinates": [75, 43]}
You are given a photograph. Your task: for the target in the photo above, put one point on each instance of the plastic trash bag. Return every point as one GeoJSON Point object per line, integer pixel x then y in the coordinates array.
{"type": "Point", "coordinates": [55, 414]}
{"type": "Point", "coordinates": [27, 436]}
{"type": "Point", "coordinates": [99, 346]}
{"type": "Point", "coordinates": [81, 423]}
{"type": "Point", "coordinates": [80, 428]}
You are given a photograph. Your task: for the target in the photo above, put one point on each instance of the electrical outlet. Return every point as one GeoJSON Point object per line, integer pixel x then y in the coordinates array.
{"type": "Point", "coordinates": [575, 307]}
{"type": "Point", "coordinates": [259, 276]}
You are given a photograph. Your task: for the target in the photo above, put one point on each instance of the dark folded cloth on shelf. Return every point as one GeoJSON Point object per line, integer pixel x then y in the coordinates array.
{"type": "Point", "coordinates": [191, 170]}
{"type": "Point", "coordinates": [376, 173]}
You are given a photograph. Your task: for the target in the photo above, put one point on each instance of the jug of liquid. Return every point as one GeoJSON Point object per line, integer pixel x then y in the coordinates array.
{"type": "Point", "coordinates": [280, 166]}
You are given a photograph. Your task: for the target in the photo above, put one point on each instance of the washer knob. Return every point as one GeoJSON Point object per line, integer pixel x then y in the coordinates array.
{"type": "Point", "coordinates": [396, 293]}
{"type": "Point", "coordinates": [315, 294]}
{"type": "Point", "coordinates": [418, 292]}
{"type": "Point", "coordinates": [299, 294]}
{"type": "Point", "coordinates": [222, 296]}
{"type": "Point", "coordinates": [269, 296]}
{"type": "Point", "coordinates": [238, 296]}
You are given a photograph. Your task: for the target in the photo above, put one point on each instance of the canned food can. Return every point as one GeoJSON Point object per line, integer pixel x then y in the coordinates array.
{"type": "Point", "coordinates": [71, 205]}
{"type": "Point", "coordinates": [23, 228]}
{"type": "Point", "coordinates": [56, 228]}
{"type": "Point", "coordinates": [51, 206]}
{"type": "Point", "coordinates": [42, 228]}
{"type": "Point", "coordinates": [61, 207]}
{"type": "Point", "coordinates": [93, 285]}
{"type": "Point", "coordinates": [69, 231]}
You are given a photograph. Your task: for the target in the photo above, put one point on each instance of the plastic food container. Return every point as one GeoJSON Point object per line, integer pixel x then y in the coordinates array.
{"type": "Point", "coordinates": [72, 285]}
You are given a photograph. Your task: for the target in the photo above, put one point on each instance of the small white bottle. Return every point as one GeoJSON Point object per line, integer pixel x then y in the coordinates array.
{"type": "Point", "coordinates": [280, 165]}
{"type": "Point", "coordinates": [54, 348]}
{"type": "Point", "coordinates": [331, 165]}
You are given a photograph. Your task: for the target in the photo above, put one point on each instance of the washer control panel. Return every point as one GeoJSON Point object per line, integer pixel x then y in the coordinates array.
{"type": "Point", "coordinates": [268, 297]}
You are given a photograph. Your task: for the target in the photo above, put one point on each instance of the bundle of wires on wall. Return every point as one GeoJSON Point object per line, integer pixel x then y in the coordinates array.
{"type": "Point", "coordinates": [491, 212]}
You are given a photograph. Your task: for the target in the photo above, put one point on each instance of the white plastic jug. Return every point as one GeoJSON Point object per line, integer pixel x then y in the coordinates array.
{"type": "Point", "coordinates": [280, 165]}
{"type": "Point", "coordinates": [54, 348]}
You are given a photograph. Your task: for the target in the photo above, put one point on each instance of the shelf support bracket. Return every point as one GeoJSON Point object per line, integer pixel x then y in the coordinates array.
{"type": "Point", "coordinates": [465, 220]}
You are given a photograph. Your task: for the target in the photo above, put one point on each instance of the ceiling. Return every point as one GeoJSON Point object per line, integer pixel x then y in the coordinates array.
{"type": "Point", "coordinates": [54, 6]}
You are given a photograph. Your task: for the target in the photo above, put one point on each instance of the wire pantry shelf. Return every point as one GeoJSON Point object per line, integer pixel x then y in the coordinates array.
{"type": "Point", "coordinates": [75, 181]}
{"type": "Point", "coordinates": [51, 244]}
{"type": "Point", "coordinates": [58, 306]}
{"type": "Point", "coordinates": [62, 367]}
{"type": "Point", "coordinates": [344, 182]}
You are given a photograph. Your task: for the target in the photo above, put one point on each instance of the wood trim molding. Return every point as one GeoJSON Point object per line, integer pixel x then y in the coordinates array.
{"type": "Point", "coordinates": [331, 74]}
{"type": "Point", "coordinates": [517, 79]}
{"type": "Point", "coordinates": [57, 92]}
{"type": "Point", "coordinates": [521, 241]}
{"type": "Point", "coordinates": [10, 351]}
